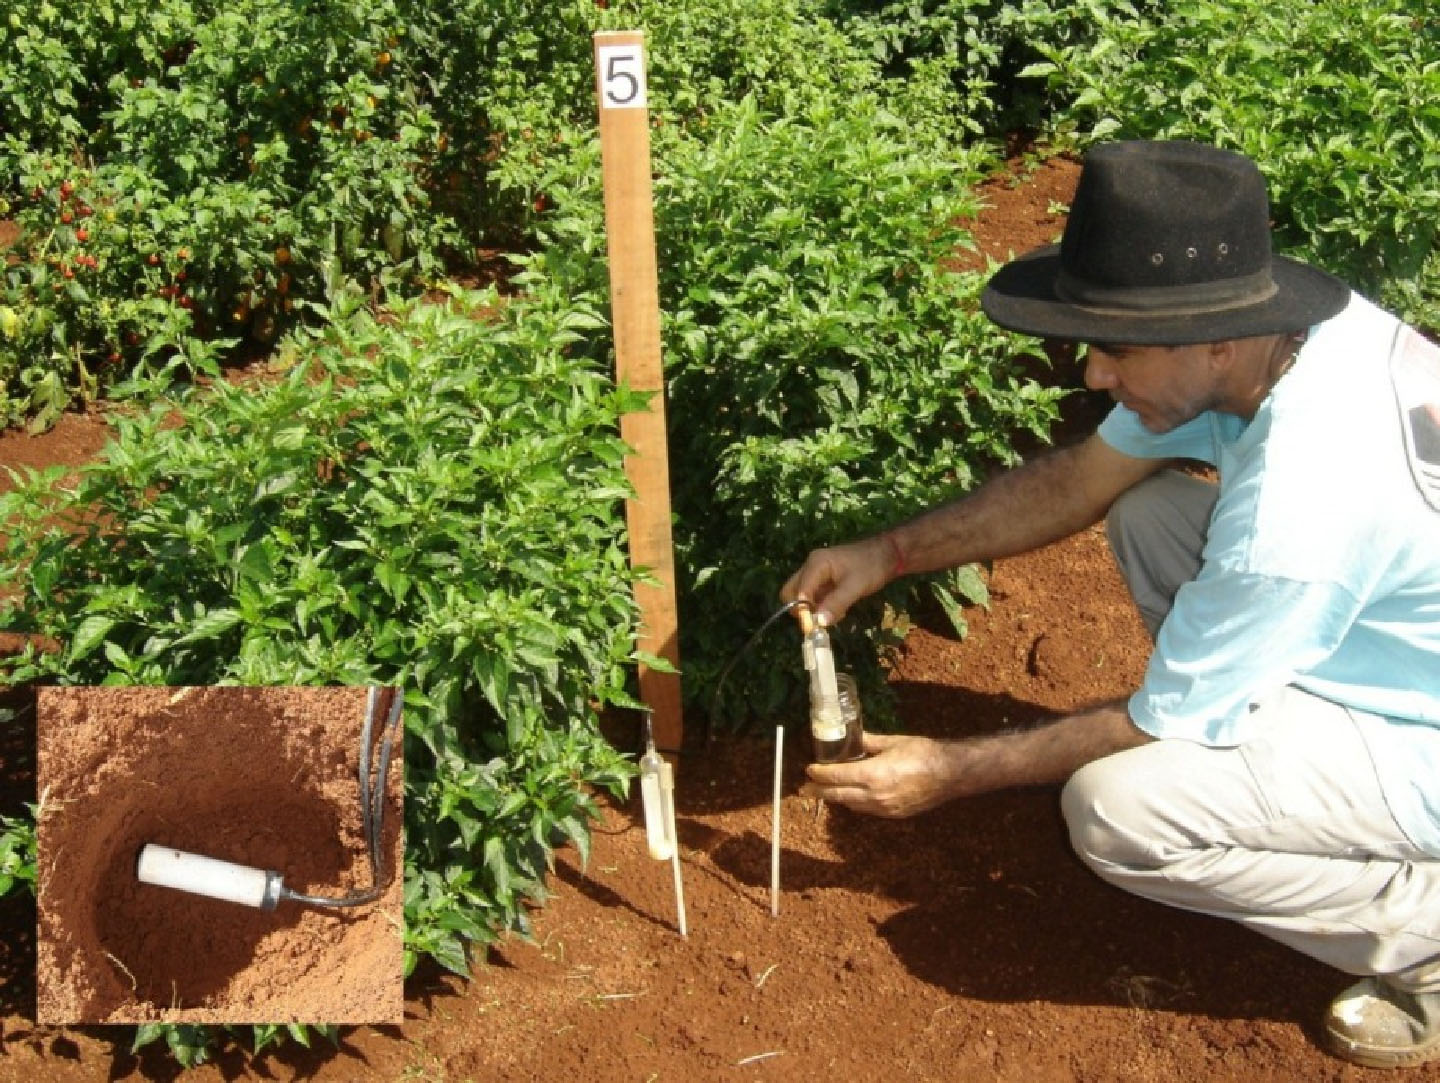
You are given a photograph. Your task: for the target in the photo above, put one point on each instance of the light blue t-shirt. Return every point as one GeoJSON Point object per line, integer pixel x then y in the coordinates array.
{"type": "Point", "coordinates": [1321, 568]}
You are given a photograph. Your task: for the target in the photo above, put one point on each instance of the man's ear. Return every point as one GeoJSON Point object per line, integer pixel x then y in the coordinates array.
{"type": "Point", "coordinates": [1224, 357]}
{"type": "Point", "coordinates": [1223, 353]}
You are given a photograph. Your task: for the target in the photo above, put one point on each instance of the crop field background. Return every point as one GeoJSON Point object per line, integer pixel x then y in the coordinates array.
{"type": "Point", "coordinates": [388, 217]}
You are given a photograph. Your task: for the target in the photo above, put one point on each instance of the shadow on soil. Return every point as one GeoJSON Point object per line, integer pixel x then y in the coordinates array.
{"type": "Point", "coordinates": [289, 1062]}
{"type": "Point", "coordinates": [996, 905]}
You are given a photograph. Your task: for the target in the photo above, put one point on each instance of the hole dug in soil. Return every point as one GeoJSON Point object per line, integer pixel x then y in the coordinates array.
{"type": "Point", "coordinates": [265, 778]}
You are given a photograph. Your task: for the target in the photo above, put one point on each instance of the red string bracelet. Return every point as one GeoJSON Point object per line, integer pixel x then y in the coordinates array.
{"type": "Point", "coordinates": [898, 568]}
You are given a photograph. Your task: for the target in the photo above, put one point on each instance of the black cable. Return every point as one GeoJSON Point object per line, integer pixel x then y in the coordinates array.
{"type": "Point", "coordinates": [377, 816]}
{"type": "Point", "coordinates": [367, 735]}
{"type": "Point", "coordinates": [372, 802]}
{"type": "Point", "coordinates": [720, 684]}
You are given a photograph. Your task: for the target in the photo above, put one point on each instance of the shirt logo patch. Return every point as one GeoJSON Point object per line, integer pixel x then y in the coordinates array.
{"type": "Point", "coordinates": [1415, 372]}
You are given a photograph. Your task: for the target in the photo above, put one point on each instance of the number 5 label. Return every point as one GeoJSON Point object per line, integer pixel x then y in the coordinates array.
{"type": "Point", "coordinates": [622, 76]}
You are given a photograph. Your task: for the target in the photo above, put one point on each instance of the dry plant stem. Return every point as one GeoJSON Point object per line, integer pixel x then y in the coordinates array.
{"type": "Point", "coordinates": [134, 985]}
{"type": "Point", "coordinates": [758, 1057]}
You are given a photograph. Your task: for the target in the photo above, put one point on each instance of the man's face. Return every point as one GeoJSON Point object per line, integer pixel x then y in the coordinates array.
{"type": "Point", "coordinates": [1165, 386]}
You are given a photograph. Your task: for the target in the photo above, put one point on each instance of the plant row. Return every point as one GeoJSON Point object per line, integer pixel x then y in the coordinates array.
{"type": "Point", "coordinates": [431, 502]}
{"type": "Point", "coordinates": [186, 178]}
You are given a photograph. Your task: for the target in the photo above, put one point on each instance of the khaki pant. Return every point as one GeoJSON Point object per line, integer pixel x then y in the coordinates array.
{"type": "Point", "coordinates": [1288, 834]}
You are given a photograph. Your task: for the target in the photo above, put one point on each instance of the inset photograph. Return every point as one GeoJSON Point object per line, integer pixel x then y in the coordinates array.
{"type": "Point", "coordinates": [220, 855]}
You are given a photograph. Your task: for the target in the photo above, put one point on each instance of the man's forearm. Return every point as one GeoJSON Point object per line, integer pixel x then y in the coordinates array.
{"type": "Point", "coordinates": [1045, 755]}
{"type": "Point", "coordinates": [903, 776]}
{"type": "Point", "coordinates": [1044, 500]}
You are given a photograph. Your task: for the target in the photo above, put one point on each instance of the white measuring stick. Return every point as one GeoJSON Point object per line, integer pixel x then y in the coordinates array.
{"type": "Point", "coordinates": [679, 892]}
{"type": "Point", "coordinates": [775, 825]}
{"type": "Point", "coordinates": [667, 789]}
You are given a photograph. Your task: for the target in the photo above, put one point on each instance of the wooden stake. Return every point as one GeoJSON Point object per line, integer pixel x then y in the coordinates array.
{"type": "Point", "coordinates": [620, 86]}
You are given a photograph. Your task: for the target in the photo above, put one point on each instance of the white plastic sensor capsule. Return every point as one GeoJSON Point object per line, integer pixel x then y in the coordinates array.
{"type": "Point", "coordinates": [164, 866]}
{"type": "Point", "coordinates": [654, 793]}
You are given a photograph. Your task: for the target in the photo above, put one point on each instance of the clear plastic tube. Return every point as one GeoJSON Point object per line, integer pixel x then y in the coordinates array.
{"type": "Point", "coordinates": [834, 703]}
{"type": "Point", "coordinates": [827, 720]}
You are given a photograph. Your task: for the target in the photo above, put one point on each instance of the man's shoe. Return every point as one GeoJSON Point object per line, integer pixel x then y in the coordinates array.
{"type": "Point", "coordinates": [1374, 1024]}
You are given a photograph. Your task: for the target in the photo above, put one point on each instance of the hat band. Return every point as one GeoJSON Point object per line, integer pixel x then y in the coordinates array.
{"type": "Point", "coordinates": [1188, 300]}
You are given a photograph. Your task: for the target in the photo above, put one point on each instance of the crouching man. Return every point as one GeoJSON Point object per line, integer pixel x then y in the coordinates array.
{"type": "Point", "coordinates": [1280, 763]}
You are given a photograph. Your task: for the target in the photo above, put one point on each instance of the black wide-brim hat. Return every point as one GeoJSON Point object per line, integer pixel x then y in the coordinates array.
{"type": "Point", "coordinates": [1167, 243]}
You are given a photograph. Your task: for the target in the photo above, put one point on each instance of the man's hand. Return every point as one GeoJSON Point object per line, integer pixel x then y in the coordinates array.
{"type": "Point", "coordinates": [902, 776]}
{"type": "Point", "coordinates": [832, 580]}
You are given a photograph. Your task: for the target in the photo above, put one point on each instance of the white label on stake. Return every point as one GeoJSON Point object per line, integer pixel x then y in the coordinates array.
{"type": "Point", "coordinates": [622, 76]}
